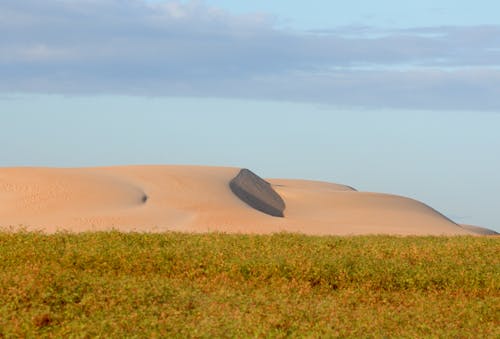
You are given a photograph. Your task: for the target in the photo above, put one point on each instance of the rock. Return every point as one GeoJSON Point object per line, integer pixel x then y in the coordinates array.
{"type": "Point", "coordinates": [257, 193]}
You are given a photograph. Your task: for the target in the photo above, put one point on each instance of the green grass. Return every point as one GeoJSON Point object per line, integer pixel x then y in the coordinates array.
{"type": "Point", "coordinates": [179, 285]}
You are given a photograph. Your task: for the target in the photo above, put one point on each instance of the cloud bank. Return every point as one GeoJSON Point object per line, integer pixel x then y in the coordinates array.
{"type": "Point", "coordinates": [174, 48]}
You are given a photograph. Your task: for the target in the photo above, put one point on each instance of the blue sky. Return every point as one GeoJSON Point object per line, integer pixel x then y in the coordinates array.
{"type": "Point", "coordinates": [324, 14]}
{"type": "Point", "coordinates": [378, 95]}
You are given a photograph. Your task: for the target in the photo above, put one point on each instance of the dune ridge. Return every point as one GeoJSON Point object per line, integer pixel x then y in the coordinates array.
{"type": "Point", "coordinates": [200, 199]}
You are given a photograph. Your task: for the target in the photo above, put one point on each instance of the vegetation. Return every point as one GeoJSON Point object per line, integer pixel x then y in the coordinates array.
{"type": "Point", "coordinates": [180, 285]}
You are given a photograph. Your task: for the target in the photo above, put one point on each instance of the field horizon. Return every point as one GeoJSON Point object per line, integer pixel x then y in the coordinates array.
{"type": "Point", "coordinates": [283, 285]}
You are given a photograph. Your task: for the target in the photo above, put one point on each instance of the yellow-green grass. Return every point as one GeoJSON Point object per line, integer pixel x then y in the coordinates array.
{"type": "Point", "coordinates": [183, 285]}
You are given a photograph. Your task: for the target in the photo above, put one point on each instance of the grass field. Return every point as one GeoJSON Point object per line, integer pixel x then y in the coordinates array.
{"type": "Point", "coordinates": [179, 285]}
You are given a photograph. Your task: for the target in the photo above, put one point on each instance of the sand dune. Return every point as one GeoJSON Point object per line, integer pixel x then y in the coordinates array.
{"type": "Point", "coordinates": [199, 199]}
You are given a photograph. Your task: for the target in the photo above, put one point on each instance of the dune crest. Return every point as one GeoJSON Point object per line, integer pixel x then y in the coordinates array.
{"type": "Point", "coordinates": [202, 199]}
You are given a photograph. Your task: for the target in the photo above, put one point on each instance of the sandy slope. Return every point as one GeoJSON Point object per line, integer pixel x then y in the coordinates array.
{"type": "Point", "coordinates": [198, 199]}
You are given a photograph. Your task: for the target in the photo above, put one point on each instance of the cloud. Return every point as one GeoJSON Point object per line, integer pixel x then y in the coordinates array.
{"type": "Point", "coordinates": [174, 48]}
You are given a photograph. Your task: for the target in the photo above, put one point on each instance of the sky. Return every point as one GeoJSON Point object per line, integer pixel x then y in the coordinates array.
{"type": "Point", "coordinates": [386, 96]}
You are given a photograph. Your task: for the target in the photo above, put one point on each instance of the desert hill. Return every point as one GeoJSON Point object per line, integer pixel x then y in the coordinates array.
{"type": "Point", "coordinates": [202, 199]}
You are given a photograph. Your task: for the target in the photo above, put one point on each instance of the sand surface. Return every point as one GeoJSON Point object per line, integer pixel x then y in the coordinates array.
{"type": "Point", "coordinates": [198, 199]}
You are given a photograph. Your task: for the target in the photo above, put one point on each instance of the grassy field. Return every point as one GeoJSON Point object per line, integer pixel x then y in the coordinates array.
{"type": "Point", "coordinates": [179, 285]}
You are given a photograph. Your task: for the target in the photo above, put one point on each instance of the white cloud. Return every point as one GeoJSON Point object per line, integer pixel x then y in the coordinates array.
{"type": "Point", "coordinates": [178, 48]}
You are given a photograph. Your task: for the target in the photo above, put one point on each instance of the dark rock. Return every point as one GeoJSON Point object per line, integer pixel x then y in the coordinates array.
{"type": "Point", "coordinates": [257, 193]}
